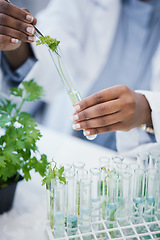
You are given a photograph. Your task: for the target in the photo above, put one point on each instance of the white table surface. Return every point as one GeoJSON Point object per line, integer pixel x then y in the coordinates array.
{"type": "Point", "coordinates": [26, 220]}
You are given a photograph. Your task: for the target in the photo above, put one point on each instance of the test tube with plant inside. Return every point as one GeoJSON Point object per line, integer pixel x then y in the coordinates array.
{"type": "Point", "coordinates": [63, 71]}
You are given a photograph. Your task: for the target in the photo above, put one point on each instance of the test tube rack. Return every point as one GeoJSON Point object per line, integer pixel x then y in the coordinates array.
{"type": "Point", "coordinates": [144, 230]}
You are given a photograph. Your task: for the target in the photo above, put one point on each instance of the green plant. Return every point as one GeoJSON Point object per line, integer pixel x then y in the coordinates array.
{"type": "Point", "coordinates": [19, 135]}
{"type": "Point", "coordinates": [54, 173]}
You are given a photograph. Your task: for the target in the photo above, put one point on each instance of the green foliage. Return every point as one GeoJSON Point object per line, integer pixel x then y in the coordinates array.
{"type": "Point", "coordinates": [54, 173]}
{"type": "Point", "coordinates": [18, 149]}
{"type": "Point", "coordinates": [52, 43]}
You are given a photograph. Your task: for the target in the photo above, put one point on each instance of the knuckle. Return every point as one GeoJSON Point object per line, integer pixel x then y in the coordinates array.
{"type": "Point", "coordinates": [2, 19]}
{"type": "Point", "coordinates": [98, 98]}
{"type": "Point", "coordinates": [21, 36]}
{"type": "Point", "coordinates": [84, 115]}
{"type": "Point", "coordinates": [4, 6]}
{"type": "Point", "coordinates": [84, 104]}
{"type": "Point", "coordinates": [86, 124]}
{"type": "Point", "coordinates": [102, 121]}
{"type": "Point", "coordinates": [19, 25]}
{"type": "Point", "coordinates": [101, 109]}
{"type": "Point", "coordinates": [124, 88]}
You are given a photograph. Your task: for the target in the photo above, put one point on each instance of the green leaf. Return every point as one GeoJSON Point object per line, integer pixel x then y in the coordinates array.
{"type": "Point", "coordinates": [4, 120]}
{"type": "Point", "coordinates": [33, 91]}
{"type": "Point", "coordinates": [54, 173]}
{"type": "Point", "coordinates": [52, 43]}
{"type": "Point", "coordinates": [2, 162]}
{"type": "Point", "coordinates": [18, 92]}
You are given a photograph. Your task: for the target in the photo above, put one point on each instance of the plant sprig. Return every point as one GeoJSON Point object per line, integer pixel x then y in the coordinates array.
{"type": "Point", "coordinates": [54, 173]}
{"type": "Point", "coordinates": [51, 42]}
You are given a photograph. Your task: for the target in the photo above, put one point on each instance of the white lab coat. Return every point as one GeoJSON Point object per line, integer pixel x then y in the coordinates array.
{"type": "Point", "coordinates": [86, 30]}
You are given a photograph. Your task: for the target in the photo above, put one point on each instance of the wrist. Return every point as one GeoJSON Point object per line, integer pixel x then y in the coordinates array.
{"type": "Point", "coordinates": [18, 56]}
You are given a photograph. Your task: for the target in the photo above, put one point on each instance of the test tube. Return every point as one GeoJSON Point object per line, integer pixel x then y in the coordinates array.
{"type": "Point", "coordinates": [72, 213]}
{"type": "Point", "coordinates": [85, 205]}
{"type": "Point", "coordinates": [59, 209]}
{"type": "Point", "coordinates": [143, 159]}
{"type": "Point", "coordinates": [155, 155]}
{"type": "Point", "coordinates": [95, 193]}
{"type": "Point", "coordinates": [124, 197]}
{"type": "Point", "coordinates": [81, 174]}
{"type": "Point", "coordinates": [112, 200]}
{"type": "Point", "coordinates": [121, 167]}
{"type": "Point", "coordinates": [138, 195]}
{"type": "Point", "coordinates": [155, 158]}
{"type": "Point", "coordinates": [150, 191]}
{"type": "Point", "coordinates": [67, 80]}
{"type": "Point", "coordinates": [77, 165]}
{"type": "Point", "coordinates": [104, 163]}
{"type": "Point", "coordinates": [117, 159]}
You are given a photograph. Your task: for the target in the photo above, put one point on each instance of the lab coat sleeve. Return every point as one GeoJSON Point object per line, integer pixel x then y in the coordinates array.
{"type": "Point", "coordinates": [153, 99]}
{"type": "Point", "coordinates": [137, 140]}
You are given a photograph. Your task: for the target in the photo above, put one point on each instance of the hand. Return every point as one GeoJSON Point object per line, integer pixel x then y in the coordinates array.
{"type": "Point", "coordinates": [112, 109]}
{"type": "Point", "coordinates": [16, 25]}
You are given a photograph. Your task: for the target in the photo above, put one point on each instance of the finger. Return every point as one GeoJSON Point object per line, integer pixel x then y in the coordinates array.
{"type": "Point", "coordinates": [97, 98]}
{"type": "Point", "coordinates": [16, 24]}
{"type": "Point", "coordinates": [98, 122]}
{"type": "Point", "coordinates": [12, 33]}
{"type": "Point", "coordinates": [13, 11]}
{"type": "Point", "coordinates": [98, 110]}
{"type": "Point", "coordinates": [6, 41]}
{"type": "Point", "coordinates": [27, 11]}
{"type": "Point", "coordinates": [109, 128]}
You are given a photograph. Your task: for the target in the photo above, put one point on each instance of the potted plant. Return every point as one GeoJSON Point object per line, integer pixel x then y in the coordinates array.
{"type": "Point", "coordinates": [19, 134]}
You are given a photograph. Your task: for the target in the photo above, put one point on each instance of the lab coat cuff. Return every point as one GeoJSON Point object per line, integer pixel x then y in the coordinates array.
{"type": "Point", "coordinates": [153, 99]}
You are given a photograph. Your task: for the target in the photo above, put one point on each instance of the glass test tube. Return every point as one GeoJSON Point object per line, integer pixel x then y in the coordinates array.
{"type": "Point", "coordinates": [131, 168]}
{"type": "Point", "coordinates": [156, 156]}
{"type": "Point", "coordinates": [52, 198]}
{"type": "Point", "coordinates": [121, 167]}
{"type": "Point", "coordinates": [81, 174]}
{"type": "Point", "coordinates": [67, 80]}
{"type": "Point", "coordinates": [48, 190]}
{"type": "Point", "coordinates": [117, 159]}
{"type": "Point", "coordinates": [59, 209]}
{"type": "Point", "coordinates": [150, 191]}
{"type": "Point", "coordinates": [112, 200]}
{"type": "Point", "coordinates": [143, 160]}
{"type": "Point", "coordinates": [138, 195]}
{"type": "Point", "coordinates": [72, 214]}
{"type": "Point", "coordinates": [95, 193]}
{"type": "Point", "coordinates": [77, 165]}
{"type": "Point", "coordinates": [124, 197]}
{"type": "Point", "coordinates": [85, 205]}
{"type": "Point", "coordinates": [104, 164]}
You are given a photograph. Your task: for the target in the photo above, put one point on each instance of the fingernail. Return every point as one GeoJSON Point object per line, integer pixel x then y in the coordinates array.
{"type": "Point", "coordinates": [77, 107]}
{"type": "Point", "coordinates": [76, 126]}
{"type": "Point", "coordinates": [86, 133]}
{"type": "Point", "coordinates": [75, 117]}
{"type": "Point", "coordinates": [31, 38]}
{"type": "Point", "coordinates": [29, 18]}
{"type": "Point", "coordinates": [13, 40]}
{"type": "Point", "coordinates": [30, 30]}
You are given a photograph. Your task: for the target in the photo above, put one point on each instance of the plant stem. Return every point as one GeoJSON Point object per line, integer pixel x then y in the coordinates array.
{"type": "Point", "coordinates": [74, 99]}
